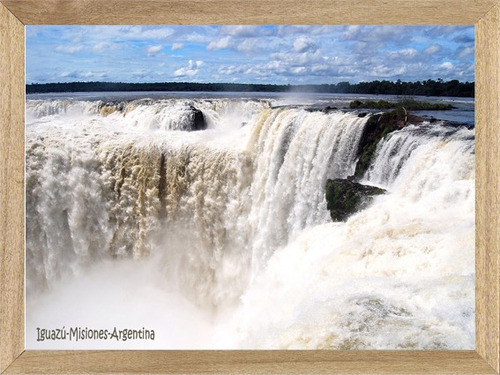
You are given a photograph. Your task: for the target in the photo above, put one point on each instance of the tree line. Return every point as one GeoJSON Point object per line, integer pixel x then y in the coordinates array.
{"type": "Point", "coordinates": [425, 88]}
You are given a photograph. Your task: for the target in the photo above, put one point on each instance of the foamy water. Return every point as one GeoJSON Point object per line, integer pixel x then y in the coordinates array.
{"type": "Point", "coordinates": [221, 238]}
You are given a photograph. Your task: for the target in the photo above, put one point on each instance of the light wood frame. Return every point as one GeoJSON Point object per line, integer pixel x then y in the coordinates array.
{"type": "Point", "coordinates": [15, 14]}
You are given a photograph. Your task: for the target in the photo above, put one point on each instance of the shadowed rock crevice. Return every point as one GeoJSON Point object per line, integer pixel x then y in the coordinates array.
{"type": "Point", "coordinates": [198, 119]}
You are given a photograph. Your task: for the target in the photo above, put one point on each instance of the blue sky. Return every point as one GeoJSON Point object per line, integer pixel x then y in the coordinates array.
{"type": "Point", "coordinates": [248, 54]}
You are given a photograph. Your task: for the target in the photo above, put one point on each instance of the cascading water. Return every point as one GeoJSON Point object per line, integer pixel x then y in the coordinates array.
{"type": "Point", "coordinates": [295, 152]}
{"type": "Point", "coordinates": [397, 275]}
{"type": "Point", "coordinates": [225, 233]}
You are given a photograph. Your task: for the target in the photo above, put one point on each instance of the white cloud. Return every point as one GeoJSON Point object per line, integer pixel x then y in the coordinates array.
{"type": "Point", "coordinates": [298, 70]}
{"type": "Point", "coordinates": [375, 33]}
{"type": "Point", "coordinates": [69, 49]}
{"type": "Point", "coordinates": [469, 50]}
{"type": "Point", "coordinates": [447, 65]}
{"type": "Point", "coordinates": [145, 32]}
{"type": "Point", "coordinates": [257, 72]}
{"type": "Point", "coordinates": [319, 68]}
{"type": "Point", "coordinates": [177, 46]}
{"type": "Point", "coordinates": [195, 37]}
{"type": "Point", "coordinates": [189, 71]}
{"type": "Point", "coordinates": [245, 31]}
{"type": "Point", "coordinates": [77, 74]}
{"type": "Point", "coordinates": [386, 71]}
{"type": "Point", "coordinates": [232, 69]}
{"type": "Point", "coordinates": [104, 46]}
{"type": "Point", "coordinates": [290, 30]}
{"type": "Point", "coordinates": [351, 32]}
{"type": "Point", "coordinates": [294, 58]}
{"type": "Point", "coordinates": [435, 48]}
{"type": "Point", "coordinates": [153, 50]}
{"type": "Point", "coordinates": [282, 68]}
{"type": "Point", "coordinates": [220, 44]}
{"type": "Point", "coordinates": [442, 30]}
{"type": "Point", "coordinates": [403, 54]}
{"type": "Point", "coordinates": [304, 44]}
{"type": "Point", "coordinates": [100, 47]}
{"type": "Point", "coordinates": [247, 45]}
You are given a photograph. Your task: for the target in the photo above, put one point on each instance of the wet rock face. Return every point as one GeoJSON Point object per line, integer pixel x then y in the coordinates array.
{"type": "Point", "coordinates": [376, 128]}
{"type": "Point", "coordinates": [199, 122]}
{"type": "Point", "coordinates": [344, 197]}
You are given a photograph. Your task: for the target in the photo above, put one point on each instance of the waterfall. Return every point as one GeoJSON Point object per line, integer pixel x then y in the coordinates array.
{"type": "Point", "coordinates": [235, 217]}
{"type": "Point", "coordinates": [295, 152]}
{"type": "Point", "coordinates": [122, 195]}
{"type": "Point", "coordinates": [377, 280]}
{"type": "Point", "coordinates": [394, 152]}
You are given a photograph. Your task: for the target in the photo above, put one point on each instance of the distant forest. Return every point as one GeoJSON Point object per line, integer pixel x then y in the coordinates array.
{"type": "Point", "coordinates": [425, 88]}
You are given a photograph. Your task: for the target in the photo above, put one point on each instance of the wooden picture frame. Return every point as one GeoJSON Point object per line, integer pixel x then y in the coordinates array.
{"type": "Point", "coordinates": [15, 14]}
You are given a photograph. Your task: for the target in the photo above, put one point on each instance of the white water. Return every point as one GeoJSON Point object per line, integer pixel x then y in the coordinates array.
{"type": "Point", "coordinates": [221, 238]}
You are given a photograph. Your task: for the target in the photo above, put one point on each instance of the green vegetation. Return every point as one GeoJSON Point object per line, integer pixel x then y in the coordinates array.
{"type": "Point", "coordinates": [423, 88]}
{"type": "Point", "coordinates": [409, 104]}
{"type": "Point", "coordinates": [428, 88]}
{"type": "Point", "coordinates": [345, 197]}
{"type": "Point", "coordinates": [381, 104]}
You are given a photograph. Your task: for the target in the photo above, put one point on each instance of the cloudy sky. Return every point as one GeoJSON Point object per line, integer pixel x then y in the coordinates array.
{"type": "Point", "coordinates": [249, 54]}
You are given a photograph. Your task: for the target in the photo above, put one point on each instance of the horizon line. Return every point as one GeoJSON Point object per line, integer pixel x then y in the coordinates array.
{"type": "Point", "coordinates": [249, 84]}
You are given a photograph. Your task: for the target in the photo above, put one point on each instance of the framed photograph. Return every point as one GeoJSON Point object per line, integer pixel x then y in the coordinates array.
{"type": "Point", "coordinates": [253, 206]}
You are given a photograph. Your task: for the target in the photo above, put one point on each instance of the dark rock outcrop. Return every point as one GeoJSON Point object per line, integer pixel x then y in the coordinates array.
{"type": "Point", "coordinates": [198, 119]}
{"type": "Point", "coordinates": [345, 197]}
{"type": "Point", "coordinates": [329, 108]}
{"type": "Point", "coordinates": [107, 108]}
{"type": "Point", "coordinates": [376, 128]}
